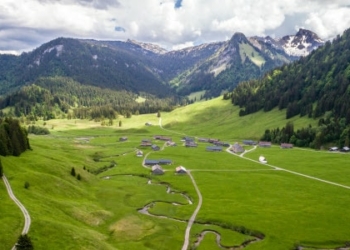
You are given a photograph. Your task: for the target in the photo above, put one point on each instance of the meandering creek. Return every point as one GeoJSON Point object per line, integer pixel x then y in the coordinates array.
{"type": "Point", "coordinates": [200, 237]}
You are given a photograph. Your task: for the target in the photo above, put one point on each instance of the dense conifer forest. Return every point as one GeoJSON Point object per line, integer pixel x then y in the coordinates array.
{"type": "Point", "coordinates": [13, 137]}
{"type": "Point", "coordinates": [317, 86]}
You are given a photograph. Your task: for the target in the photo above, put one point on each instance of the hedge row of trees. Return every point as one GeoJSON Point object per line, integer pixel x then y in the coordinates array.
{"type": "Point", "coordinates": [328, 131]}
{"type": "Point", "coordinates": [13, 137]}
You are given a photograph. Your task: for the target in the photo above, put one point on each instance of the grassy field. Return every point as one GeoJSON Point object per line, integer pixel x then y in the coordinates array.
{"type": "Point", "coordinates": [245, 202]}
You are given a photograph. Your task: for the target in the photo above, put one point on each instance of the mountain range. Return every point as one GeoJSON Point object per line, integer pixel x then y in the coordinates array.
{"type": "Point", "coordinates": [147, 68]}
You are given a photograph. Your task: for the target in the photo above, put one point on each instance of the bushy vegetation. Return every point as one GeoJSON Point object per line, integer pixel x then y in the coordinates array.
{"type": "Point", "coordinates": [37, 130]}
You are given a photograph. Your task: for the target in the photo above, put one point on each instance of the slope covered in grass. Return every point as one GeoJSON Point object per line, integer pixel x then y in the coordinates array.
{"type": "Point", "coordinates": [217, 117]}
{"type": "Point", "coordinates": [242, 199]}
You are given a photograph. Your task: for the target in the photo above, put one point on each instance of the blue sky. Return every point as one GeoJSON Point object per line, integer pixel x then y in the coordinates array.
{"type": "Point", "coordinates": [172, 24]}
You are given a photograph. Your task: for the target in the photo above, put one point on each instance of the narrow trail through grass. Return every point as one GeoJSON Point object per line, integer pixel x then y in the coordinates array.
{"type": "Point", "coordinates": [194, 215]}
{"type": "Point", "coordinates": [27, 219]}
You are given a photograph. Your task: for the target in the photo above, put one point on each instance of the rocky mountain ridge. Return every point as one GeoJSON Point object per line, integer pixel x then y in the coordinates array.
{"type": "Point", "coordinates": [143, 67]}
{"type": "Point", "coordinates": [300, 44]}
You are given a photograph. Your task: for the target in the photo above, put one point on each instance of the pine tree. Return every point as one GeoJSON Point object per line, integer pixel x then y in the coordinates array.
{"type": "Point", "coordinates": [24, 243]}
{"type": "Point", "coordinates": [72, 172]}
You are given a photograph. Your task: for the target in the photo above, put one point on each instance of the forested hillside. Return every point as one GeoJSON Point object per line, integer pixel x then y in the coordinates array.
{"type": "Point", "coordinates": [316, 86]}
{"type": "Point", "coordinates": [58, 97]}
{"type": "Point", "coordinates": [100, 66]}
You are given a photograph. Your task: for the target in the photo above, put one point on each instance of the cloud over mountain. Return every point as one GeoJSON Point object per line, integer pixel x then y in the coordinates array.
{"type": "Point", "coordinates": [170, 23]}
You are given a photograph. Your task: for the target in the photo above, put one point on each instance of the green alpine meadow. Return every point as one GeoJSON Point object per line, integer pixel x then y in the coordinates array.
{"type": "Point", "coordinates": [298, 199]}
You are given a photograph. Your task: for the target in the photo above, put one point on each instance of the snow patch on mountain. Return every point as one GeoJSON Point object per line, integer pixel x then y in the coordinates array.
{"type": "Point", "coordinates": [297, 45]}
{"type": "Point", "coordinates": [297, 49]}
{"type": "Point", "coordinates": [301, 44]}
{"type": "Point", "coordinates": [149, 46]}
{"type": "Point", "coordinates": [58, 48]}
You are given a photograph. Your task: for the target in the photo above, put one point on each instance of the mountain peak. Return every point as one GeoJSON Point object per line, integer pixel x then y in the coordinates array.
{"type": "Point", "coordinates": [239, 37]}
{"type": "Point", "coordinates": [305, 32]}
{"type": "Point", "coordinates": [302, 43]}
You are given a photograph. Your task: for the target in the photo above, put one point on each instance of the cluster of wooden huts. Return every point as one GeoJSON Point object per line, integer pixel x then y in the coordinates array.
{"type": "Point", "coordinates": [190, 142]}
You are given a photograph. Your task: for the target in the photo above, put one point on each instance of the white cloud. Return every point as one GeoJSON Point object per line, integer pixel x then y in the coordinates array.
{"type": "Point", "coordinates": [158, 21]}
{"type": "Point", "coordinates": [330, 22]}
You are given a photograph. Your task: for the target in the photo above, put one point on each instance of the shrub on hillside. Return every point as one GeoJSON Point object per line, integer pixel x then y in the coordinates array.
{"type": "Point", "coordinates": [38, 130]}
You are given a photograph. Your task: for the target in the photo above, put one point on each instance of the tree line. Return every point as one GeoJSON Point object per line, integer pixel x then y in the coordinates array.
{"type": "Point", "coordinates": [13, 138]}
{"type": "Point", "coordinates": [328, 131]}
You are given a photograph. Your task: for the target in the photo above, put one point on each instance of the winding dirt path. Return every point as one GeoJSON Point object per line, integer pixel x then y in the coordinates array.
{"type": "Point", "coordinates": [27, 220]}
{"type": "Point", "coordinates": [194, 215]}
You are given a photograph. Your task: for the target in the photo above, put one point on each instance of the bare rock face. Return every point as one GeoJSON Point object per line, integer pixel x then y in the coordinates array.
{"type": "Point", "coordinates": [301, 44]}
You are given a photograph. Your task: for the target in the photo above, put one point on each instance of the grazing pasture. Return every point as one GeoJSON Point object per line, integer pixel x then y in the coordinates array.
{"type": "Point", "coordinates": [292, 201]}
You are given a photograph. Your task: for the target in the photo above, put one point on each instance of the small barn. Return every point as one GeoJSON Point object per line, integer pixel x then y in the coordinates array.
{"type": "Point", "coordinates": [203, 140]}
{"type": "Point", "coordinates": [191, 144]}
{"type": "Point", "coordinates": [157, 170]}
{"type": "Point", "coordinates": [155, 147]}
{"type": "Point", "coordinates": [214, 148]}
{"type": "Point", "coordinates": [222, 143]}
{"type": "Point", "coordinates": [249, 142]}
{"type": "Point", "coordinates": [265, 144]}
{"type": "Point", "coordinates": [187, 139]}
{"type": "Point", "coordinates": [345, 149]}
{"type": "Point", "coordinates": [165, 162]}
{"type": "Point", "coordinates": [180, 170]}
{"type": "Point", "coordinates": [162, 138]}
{"type": "Point", "coordinates": [146, 143]}
{"type": "Point", "coordinates": [237, 148]}
{"type": "Point", "coordinates": [149, 162]}
{"type": "Point", "coordinates": [286, 145]}
{"type": "Point", "coordinates": [124, 138]}
{"type": "Point", "coordinates": [211, 140]}
{"type": "Point", "coordinates": [139, 153]}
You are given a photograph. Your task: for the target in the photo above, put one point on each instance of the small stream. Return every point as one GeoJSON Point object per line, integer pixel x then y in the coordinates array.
{"type": "Point", "coordinates": [218, 240]}
{"type": "Point", "coordinates": [145, 210]}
